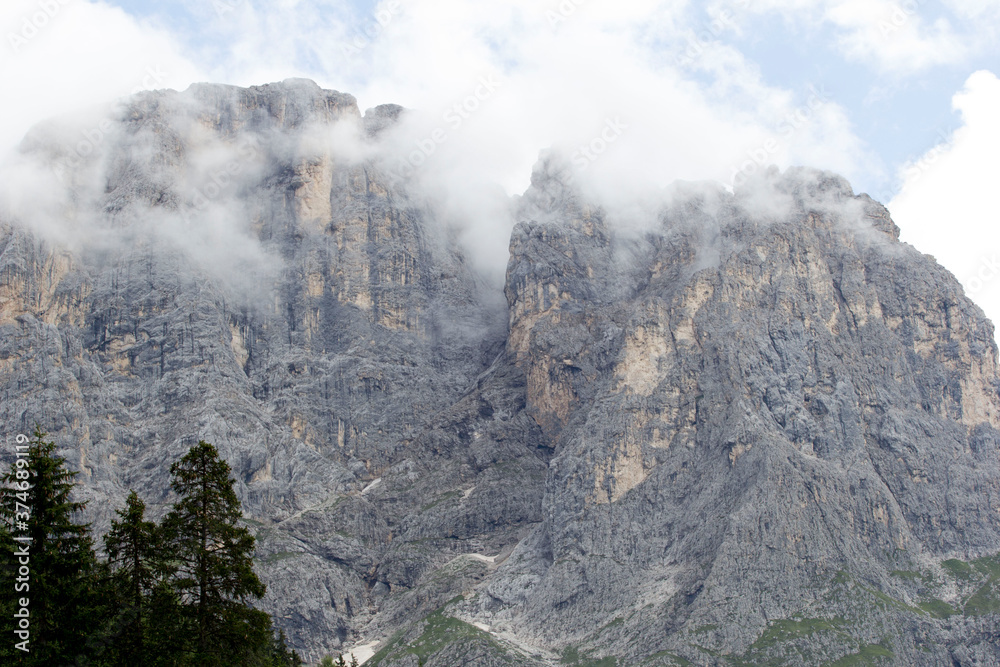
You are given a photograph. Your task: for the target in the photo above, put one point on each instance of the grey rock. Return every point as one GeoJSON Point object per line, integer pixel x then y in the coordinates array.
{"type": "Point", "coordinates": [760, 431]}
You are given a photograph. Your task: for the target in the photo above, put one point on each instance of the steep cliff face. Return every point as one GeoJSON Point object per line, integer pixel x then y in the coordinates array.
{"type": "Point", "coordinates": [758, 431]}
{"type": "Point", "coordinates": [755, 416]}
{"type": "Point", "coordinates": [242, 281]}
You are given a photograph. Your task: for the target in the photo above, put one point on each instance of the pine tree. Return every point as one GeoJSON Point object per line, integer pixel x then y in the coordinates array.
{"type": "Point", "coordinates": [165, 638]}
{"type": "Point", "coordinates": [35, 507]}
{"type": "Point", "coordinates": [279, 654]}
{"type": "Point", "coordinates": [214, 569]}
{"type": "Point", "coordinates": [136, 559]}
{"type": "Point", "coordinates": [9, 595]}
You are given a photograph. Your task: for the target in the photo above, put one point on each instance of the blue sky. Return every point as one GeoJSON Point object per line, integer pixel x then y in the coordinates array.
{"type": "Point", "coordinates": [907, 105]}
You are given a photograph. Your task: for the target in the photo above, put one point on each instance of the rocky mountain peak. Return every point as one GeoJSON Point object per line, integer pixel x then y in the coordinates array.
{"type": "Point", "coordinates": [753, 429]}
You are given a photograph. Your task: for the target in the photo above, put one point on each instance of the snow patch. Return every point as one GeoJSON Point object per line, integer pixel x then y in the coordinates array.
{"type": "Point", "coordinates": [363, 652]}
{"type": "Point", "coordinates": [375, 482]}
{"type": "Point", "coordinates": [480, 557]}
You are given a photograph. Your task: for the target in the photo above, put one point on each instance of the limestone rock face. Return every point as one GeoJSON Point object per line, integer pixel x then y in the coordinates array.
{"type": "Point", "coordinates": [757, 430]}
{"type": "Point", "coordinates": [749, 413]}
{"type": "Point", "coordinates": [243, 282]}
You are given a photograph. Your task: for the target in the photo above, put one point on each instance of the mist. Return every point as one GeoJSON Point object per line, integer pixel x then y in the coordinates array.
{"type": "Point", "coordinates": [579, 80]}
{"type": "Point", "coordinates": [167, 169]}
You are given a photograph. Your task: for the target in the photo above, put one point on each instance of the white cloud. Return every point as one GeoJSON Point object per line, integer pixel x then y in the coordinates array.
{"type": "Point", "coordinates": [596, 80]}
{"type": "Point", "coordinates": [893, 36]}
{"type": "Point", "coordinates": [593, 82]}
{"type": "Point", "coordinates": [567, 67]}
{"type": "Point", "coordinates": [563, 82]}
{"type": "Point", "coordinates": [947, 205]}
{"type": "Point", "coordinates": [63, 56]}
{"type": "Point", "coordinates": [975, 9]}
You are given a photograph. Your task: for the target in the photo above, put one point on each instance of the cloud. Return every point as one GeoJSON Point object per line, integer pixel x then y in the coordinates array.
{"type": "Point", "coordinates": [895, 34]}
{"type": "Point", "coordinates": [976, 9]}
{"type": "Point", "coordinates": [148, 174]}
{"type": "Point", "coordinates": [895, 37]}
{"type": "Point", "coordinates": [63, 56]}
{"type": "Point", "coordinates": [567, 67]}
{"type": "Point", "coordinates": [496, 85]}
{"type": "Point", "coordinates": [946, 206]}
{"type": "Point", "coordinates": [616, 89]}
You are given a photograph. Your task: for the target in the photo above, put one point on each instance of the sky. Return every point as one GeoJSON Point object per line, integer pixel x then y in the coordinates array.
{"type": "Point", "coordinates": [902, 98]}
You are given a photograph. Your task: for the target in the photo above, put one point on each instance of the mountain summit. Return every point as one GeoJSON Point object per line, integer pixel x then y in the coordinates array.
{"type": "Point", "coordinates": [756, 429]}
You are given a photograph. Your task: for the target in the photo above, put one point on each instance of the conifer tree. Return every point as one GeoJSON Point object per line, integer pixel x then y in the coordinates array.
{"type": "Point", "coordinates": [136, 559]}
{"type": "Point", "coordinates": [279, 654]}
{"type": "Point", "coordinates": [37, 516]}
{"type": "Point", "coordinates": [213, 557]}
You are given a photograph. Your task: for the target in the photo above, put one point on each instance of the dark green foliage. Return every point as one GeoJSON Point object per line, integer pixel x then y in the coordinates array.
{"type": "Point", "coordinates": [213, 565]}
{"type": "Point", "coordinates": [146, 609]}
{"type": "Point", "coordinates": [340, 662]}
{"type": "Point", "coordinates": [132, 546]}
{"type": "Point", "coordinates": [168, 596]}
{"type": "Point", "coordinates": [63, 584]}
{"type": "Point", "coordinates": [278, 654]}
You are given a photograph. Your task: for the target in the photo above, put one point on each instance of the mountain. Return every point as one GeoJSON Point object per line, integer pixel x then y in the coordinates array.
{"type": "Point", "coordinates": [756, 430]}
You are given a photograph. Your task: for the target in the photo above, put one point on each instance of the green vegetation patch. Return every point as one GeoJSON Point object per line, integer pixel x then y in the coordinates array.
{"type": "Point", "coordinates": [440, 499]}
{"type": "Point", "coordinates": [572, 656]}
{"type": "Point", "coordinates": [938, 608]}
{"type": "Point", "coordinates": [887, 601]}
{"type": "Point", "coordinates": [787, 630]}
{"type": "Point", "coordinates": [990, 566]}
{"type": "Point", "coordinates": [986, 600]}
{"type": "Point", "coordinates": [872, 654]}
{"type": "Point", "coordinates": [439, 630]}
{"type": "Point", "coordinates": [958, 569]}
{"type": "Point", "coordinates": [666, 659]}
{"type": "Point", "coordinates": [842, 577]}
{"type": "Point", "coordinates": [982, 577]}
{"type": "Point", "coordinates": [797, 640]}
